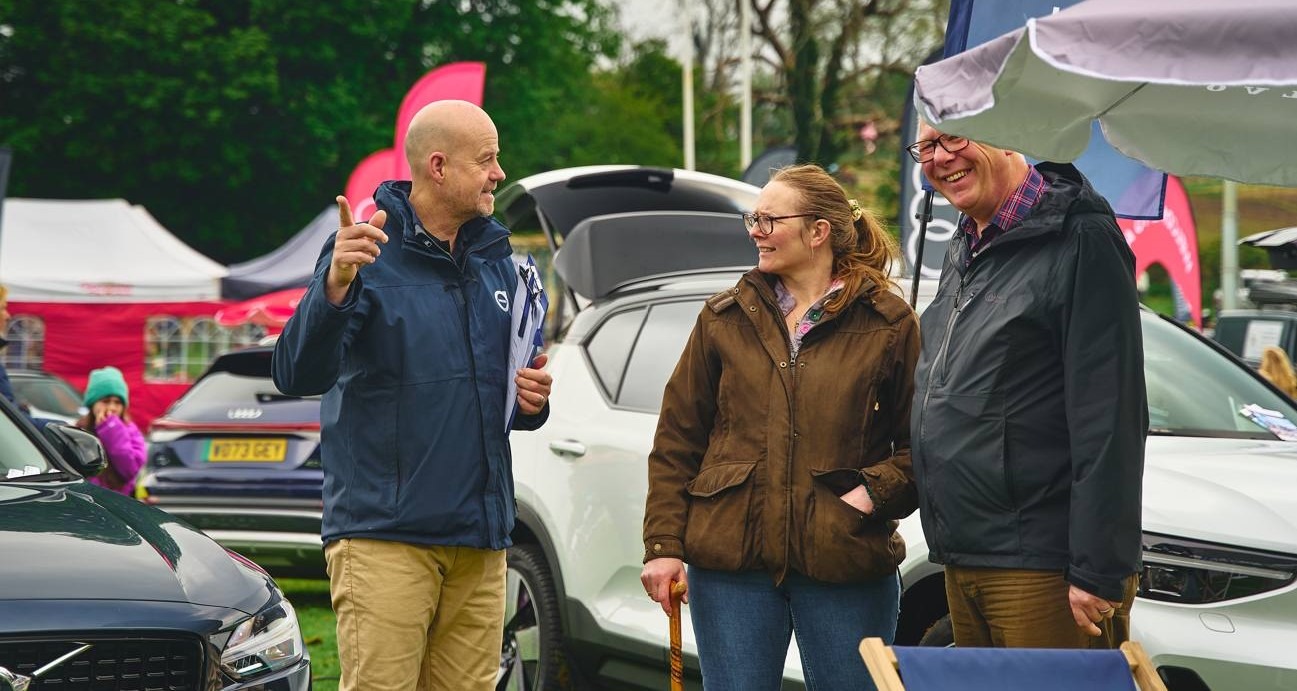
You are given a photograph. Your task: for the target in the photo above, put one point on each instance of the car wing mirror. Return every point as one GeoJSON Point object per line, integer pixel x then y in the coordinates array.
{"type": "Point", "coordinates": [79, 448]}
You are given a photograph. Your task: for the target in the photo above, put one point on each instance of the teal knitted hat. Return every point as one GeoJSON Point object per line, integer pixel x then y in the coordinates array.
{"type": "Point", "coordinates": [104, 382]}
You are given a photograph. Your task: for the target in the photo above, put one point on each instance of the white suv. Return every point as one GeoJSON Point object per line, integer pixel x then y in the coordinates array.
{"type": "Point", "coordinates": [1217, 608]}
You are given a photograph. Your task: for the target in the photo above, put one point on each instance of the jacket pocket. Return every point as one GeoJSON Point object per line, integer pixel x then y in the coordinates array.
{"type": "Point", "coordinates": [966, 470]}
{"type": "Point", "coordinates": [718, 534]}
{"type": "Point", "coordinates": [843, 543]}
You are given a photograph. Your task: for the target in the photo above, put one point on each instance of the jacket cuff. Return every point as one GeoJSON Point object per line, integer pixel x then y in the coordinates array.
{"type": "Point", "coordinates": [526, 423]}
{"type": "Point", "coordinates": [1106, 587]}
{"type": "Point", "coordinates": [663, 546]}
{"type": "Point", "coordinates": [865, 480]}
{"type": "Point", "coordinates": [350, 300]}
{"type": "Point", "coordinates": [880, 487]}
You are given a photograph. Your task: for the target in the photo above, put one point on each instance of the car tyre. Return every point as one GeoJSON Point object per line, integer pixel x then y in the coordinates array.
{"type": "Point", "coordinates": [940, 635]}
{"type": "Point", "coordinates": [532, 657]}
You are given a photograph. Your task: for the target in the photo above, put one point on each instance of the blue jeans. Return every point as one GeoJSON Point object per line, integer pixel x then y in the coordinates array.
{"type": "Point", "coordinates": [742, 623]}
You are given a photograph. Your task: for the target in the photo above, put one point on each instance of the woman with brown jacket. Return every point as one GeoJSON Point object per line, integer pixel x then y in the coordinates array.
{"type": "Point", "coordinates": [782, 457]}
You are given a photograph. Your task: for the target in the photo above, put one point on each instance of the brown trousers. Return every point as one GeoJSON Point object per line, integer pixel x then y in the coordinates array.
{"type": "Point", "coordinates": [416, 617]}
{"type": "Point", "coordinates": [1021, 608]}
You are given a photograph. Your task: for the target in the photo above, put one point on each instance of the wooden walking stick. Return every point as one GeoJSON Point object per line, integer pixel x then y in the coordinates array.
{"type": "Point", "coordinates": [677, 661]}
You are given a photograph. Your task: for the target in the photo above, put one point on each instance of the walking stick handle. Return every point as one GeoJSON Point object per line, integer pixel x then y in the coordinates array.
{"type": "Point", "coordinates": [678, 590]}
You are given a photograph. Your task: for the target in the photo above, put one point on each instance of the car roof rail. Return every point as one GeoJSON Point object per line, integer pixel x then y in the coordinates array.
{"type": "Point", "coordinates": [605, 253]}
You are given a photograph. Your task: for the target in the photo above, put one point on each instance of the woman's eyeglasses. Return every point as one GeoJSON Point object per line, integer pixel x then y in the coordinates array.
{"type": "Point", "coordinates": [765, 224]}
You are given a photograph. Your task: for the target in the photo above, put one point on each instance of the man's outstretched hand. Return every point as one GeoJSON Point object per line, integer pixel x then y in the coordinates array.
{"type": "Point", "coordinates": [355, 246]}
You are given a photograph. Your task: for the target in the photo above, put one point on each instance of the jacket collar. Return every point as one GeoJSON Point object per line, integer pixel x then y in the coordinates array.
{"type": "Point", "coordinates": [1067, 191]}
{"type": "Point", "coordinates": [394, 196]}
{"type": "Point", "coordinates": [763, 284]}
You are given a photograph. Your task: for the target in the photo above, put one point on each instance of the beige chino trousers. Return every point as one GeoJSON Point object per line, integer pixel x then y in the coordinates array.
{"type": "Point", "coordinates": [420, 617]}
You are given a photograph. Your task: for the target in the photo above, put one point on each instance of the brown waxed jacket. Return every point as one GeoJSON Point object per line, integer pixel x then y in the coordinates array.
{"type": "Point", "coordinates": [754, 449]}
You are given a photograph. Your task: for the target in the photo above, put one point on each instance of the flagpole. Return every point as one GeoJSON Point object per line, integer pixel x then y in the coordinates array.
{"type": "Point", "coordinates": [688, 79]}
{"type": "Point", "coordinates": [745, 70]}
{"type": "Point", "coordinates": [1229, 245]}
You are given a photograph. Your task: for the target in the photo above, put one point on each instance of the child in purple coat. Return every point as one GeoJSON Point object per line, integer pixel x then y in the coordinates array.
{"type": "Point", "coordinates": [107, 398]}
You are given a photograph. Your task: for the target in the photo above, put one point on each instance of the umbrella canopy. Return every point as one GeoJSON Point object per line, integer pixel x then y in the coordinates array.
{"type": "Point", "coordinates": [270, 310]}
{"type": "Point", "coordinates": [1191, 87]}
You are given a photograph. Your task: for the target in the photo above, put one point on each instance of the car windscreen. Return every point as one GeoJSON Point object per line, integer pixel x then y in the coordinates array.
{"type": "Point", "coordinates": [48, 394]}
{"type": "Point", "coordinates": [1194, 390]}
{"type": "Point", "coordinates": [214, 397]}
{"type": "Point", "coordinates": [19, 455]}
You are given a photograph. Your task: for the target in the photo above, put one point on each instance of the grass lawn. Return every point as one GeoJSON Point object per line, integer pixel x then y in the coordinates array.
{"type": "Point", "coordinates": [311, 600]}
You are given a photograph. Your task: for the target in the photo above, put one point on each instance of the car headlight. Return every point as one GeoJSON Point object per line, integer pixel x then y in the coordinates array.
{"type": "Point", "coordinates": [264, 643]}
{"type": "Point", "coordinates": [1191, 572]}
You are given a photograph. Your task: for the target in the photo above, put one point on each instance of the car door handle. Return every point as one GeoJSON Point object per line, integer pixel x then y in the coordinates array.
{"type": "Point", "coordinates": [567, 447]}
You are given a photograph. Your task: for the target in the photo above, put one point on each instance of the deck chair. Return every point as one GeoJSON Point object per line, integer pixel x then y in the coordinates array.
{"type": "Point", "coordinates": [1008, 669]}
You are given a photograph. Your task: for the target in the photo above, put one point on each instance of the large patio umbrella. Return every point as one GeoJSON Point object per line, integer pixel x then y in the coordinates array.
{"type": "Point", "coordinates": [1191, 87]}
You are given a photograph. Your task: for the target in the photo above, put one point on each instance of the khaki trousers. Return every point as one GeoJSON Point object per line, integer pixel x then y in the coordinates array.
{"type": "Point", "coordinates": [416, 617]}
{"type": "Point", "coordinates": [1022, 608]}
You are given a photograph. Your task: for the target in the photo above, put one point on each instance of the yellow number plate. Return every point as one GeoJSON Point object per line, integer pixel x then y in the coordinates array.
{"type": "Point", "coordinates": [247, 450]}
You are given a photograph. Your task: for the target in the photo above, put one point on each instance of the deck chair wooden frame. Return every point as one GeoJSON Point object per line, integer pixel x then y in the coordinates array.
{"type": "Point", "coordinates": [883, 667]}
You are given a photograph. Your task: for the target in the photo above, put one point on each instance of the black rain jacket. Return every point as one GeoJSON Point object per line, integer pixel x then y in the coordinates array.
{"type": "Point", "coordinates": [1029, 407]}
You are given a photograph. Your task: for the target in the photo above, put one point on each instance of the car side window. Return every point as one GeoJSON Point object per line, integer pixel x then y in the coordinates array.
{"type": "Point", "coordinates": [610, 346]}
{"type": "Point", "coordinates": [657, 350]}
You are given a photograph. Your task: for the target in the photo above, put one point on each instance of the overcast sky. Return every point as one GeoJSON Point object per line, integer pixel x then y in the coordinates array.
{"type": "Point", "coordinates": [643, 19]}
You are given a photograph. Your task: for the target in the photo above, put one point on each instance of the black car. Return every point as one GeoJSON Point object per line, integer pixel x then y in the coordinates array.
{"type": "Point", "coordinates": [103, 592]}
{"type": "Point", "coordinates": [240, 461]}
{"type": "Point", "coordinates": [45, 395]}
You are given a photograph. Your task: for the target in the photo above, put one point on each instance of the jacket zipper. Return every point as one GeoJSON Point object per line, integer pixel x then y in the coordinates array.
{"type": "Point", "coordinates": [495, 517]}
{"type": "Point", "coordinates": [792, 430]}
{"type": "Point", "coordinates": [497, 509]}
{"type": "Point", "coordinates": [939, 367]}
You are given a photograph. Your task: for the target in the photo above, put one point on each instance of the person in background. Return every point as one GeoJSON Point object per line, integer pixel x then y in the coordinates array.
{"type": "Point", "coordinates": [6, 388]}
{"type": "Point", "coordinates": [1029, 409]}
{"type": "Point", "coordinates": [782, 457]}
{"type": "Point", "coordinates": [1277, 368]}
{"type": "Point", "coordinates": [109, 419]}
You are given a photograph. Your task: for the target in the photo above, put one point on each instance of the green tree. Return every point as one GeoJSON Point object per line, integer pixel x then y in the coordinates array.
{"type": "Point", "coordinates": [631, 114]}
{"type": "Point", "coordinates": [235, 121]}
{"type": "Point", "coordinates": [829, 53]}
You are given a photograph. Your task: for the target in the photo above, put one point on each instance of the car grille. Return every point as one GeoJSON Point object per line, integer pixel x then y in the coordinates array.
{"type": "Point", "coordinates": [135, 664]}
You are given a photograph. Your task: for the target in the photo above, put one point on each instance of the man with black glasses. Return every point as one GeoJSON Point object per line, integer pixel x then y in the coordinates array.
{"type": "Point", "coordinates": [1029, 408]}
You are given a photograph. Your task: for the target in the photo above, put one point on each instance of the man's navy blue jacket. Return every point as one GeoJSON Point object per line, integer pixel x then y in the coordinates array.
{"type": "Point", "coordinates": [413, 368]}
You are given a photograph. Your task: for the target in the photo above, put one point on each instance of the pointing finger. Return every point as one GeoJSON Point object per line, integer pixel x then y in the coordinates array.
{"type": "Point", "coordinates": [344, 212]}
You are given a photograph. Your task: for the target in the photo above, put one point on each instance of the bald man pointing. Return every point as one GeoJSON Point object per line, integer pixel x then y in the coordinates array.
{"type": "Point", "coordinates": [405, 334]}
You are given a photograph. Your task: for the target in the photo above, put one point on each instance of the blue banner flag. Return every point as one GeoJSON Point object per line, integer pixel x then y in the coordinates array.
{"type": "Point", "coordinates": [1134, 190]}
